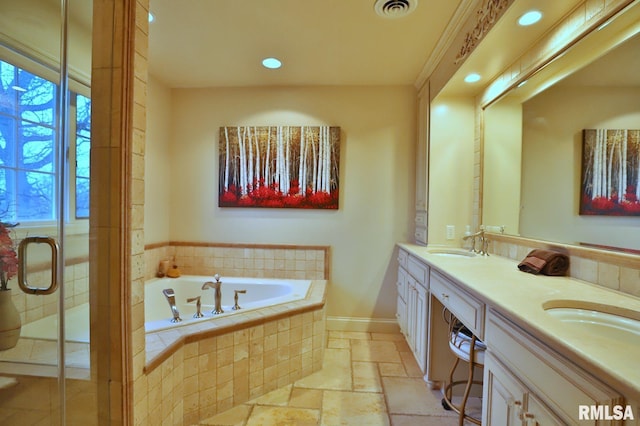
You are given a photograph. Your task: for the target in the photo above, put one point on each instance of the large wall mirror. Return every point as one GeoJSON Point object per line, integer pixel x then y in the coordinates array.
{"type": "Point", "coordinates": [533, 141]}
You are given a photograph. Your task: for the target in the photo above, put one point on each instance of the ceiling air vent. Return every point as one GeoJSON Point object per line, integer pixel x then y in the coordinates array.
{"type": "Point", "coordinates": [395, 8]}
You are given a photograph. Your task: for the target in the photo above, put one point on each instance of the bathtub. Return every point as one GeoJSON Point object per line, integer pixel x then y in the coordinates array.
{"type": "Point", "coordinates": [260, 292]}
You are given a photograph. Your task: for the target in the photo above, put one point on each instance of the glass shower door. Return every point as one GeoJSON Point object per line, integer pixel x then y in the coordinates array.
{"type": "Point", "coordinates": [46, 375]}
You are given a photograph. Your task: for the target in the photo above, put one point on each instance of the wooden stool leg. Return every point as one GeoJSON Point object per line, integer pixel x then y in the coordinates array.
{"type": "Point", "coordinates": [467, 389]}
{"type": "Point", "coordinates": [449, 388]}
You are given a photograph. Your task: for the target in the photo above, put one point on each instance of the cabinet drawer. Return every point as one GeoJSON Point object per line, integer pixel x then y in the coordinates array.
{"type": "Point", "coordinates": [562, 386]}
{"type": "Point", "coordinates": [403, 256]}
{"type": "Point", "coordinates": [419, 271]}
{"type": "Point", "coordinates": [465, 307]}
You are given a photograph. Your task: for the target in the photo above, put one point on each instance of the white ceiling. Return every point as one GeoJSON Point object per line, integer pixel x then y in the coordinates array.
{"type": "Point", "coordinates": [210, 43]}
{"type": "Point", "coordinates": [205, 43]}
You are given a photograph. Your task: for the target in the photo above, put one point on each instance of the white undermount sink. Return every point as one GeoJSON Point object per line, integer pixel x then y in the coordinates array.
{"type": "Point", "coordinates": [452, 252]}
{"type": "Point", "coordinates": [607, 321]}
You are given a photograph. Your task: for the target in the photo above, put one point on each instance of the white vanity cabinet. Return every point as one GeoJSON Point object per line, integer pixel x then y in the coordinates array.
{"type": "Point", "coordinates": [509, 402]}
{"type": "Point", "coordinates": [463, 305]}
{"type": "Point", "coordinates": [527, 383]}
{"type": "Point", "coordinates": [413, 304]}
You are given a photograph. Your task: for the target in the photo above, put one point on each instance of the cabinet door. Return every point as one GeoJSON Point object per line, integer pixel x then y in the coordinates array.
{"type": "Point", "coordinates": [503, 395]}
{"type": "Point", "coordinates": [401, 314]}
{"type": "Point", "coordinates": [422, 310]}
{"type": "Point", "coordinates": [411, 313]}
{"type": "Point", "coordinates": [537, 414]}
{"type": "Point", "coordinates": [401, 311]}
{"type": "Point", "coordinates": [402, 283]}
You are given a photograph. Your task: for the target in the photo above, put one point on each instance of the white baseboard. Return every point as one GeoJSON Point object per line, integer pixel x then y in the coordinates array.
{"type": "Point", "coordinates": [371, 325]}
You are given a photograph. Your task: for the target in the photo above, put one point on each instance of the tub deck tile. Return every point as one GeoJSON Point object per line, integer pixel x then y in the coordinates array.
{"type": "Point", "coordinates": [161, 344]}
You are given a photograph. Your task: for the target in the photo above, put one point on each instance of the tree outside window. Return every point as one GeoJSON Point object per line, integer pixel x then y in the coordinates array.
{"type": "Point", "coordinates": [28, 172]}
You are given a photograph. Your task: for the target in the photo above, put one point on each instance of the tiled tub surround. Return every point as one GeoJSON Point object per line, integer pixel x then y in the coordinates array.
{"type": "Point", "coordinates": [204, 368]}
{"type": "Point", "coordinates": [240, 260]}
{"type": "Point", "coordinates": [192, 373]}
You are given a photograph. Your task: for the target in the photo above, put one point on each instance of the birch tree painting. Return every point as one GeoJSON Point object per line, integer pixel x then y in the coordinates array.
{"type": "Point", "coordinates": [610, 172]}
{"type": "Point", "coordinates": [279, 166]}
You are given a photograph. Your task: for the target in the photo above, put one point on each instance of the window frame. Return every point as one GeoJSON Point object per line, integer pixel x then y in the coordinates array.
{"type": "Point", "coordinates": [77, 84]}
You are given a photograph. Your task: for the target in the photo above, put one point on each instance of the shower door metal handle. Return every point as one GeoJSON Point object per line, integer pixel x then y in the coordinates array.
{"type": "Point", "coordinates": [22, 265]}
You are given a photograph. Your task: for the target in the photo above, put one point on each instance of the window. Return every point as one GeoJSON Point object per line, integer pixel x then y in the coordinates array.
{"type": "Point", "coordinates": [28, 125]}
{"type": "Point", "coordinates": [83, 147]}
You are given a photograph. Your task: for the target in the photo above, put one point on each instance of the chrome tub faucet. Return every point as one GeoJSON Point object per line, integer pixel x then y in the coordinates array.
{"type": "Point", "coordinates": [196, 299]}
{"type": "Point", "coordinates": [216, 286]}
{"type": "Point", "coordinates": [235, 299]}
{"type": "Point", "coordinates": [171, 298]}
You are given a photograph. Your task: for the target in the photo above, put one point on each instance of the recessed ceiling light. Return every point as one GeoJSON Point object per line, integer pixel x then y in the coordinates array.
{"type": "Point", "coordinates": [530, 18]}
{"type": "Point", "coordinates": [151, 17]}
{"type": "Point", "coordinates": [472, 78]}
{"type": "Point", "coordinates": [271, 63]}
{"type": "Point", "coordinates": [19, 89]}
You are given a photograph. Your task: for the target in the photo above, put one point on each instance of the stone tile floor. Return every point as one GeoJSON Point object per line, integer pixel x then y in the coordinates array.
{"type": "Point", "coordinates": [367, 379]}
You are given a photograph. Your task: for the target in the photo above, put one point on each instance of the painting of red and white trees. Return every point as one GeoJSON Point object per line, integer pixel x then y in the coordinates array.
{"type": "Point", "coordinates": [279, 166]}
{"type": "Point", "coordinates": [610, 172]}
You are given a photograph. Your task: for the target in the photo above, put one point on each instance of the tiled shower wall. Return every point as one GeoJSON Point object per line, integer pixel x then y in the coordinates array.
{"type": "Point", "coordinates": [35, 307]}
{"type": "Point", "coordinates": [240, 260]}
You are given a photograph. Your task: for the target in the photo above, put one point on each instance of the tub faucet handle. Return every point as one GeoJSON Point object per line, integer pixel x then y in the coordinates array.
{"type": "Point", "coordinates": [196, 299]}
{"type": "Point", "coordinates": [171, 298]}
{"type": "Point", "coordinates": [235, 299]}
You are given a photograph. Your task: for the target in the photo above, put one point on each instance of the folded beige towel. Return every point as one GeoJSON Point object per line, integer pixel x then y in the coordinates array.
{"type": "Point", "coordinates": [546, 262]}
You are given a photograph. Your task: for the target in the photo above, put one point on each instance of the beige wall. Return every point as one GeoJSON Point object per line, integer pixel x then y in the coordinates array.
{"type": "Point", "coordinates": [451, 168]}
{"type": "Point", "coordinates": [376, 181]}
{"type": "Point", "coordinates": [552, 149]}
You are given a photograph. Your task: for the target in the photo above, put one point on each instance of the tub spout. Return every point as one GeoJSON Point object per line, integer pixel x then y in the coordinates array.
{"type": "Point", "coordinates": [171, 298]}
{"type": "Point", "coordinates": [216, 286]}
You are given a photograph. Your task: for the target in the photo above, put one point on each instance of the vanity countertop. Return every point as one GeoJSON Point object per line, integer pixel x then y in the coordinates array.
{"type": "Point", "coordinates": [521, 296]}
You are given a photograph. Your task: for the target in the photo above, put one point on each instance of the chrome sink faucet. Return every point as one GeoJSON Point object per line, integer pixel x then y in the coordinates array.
{"type": "Point", "coordinates": [216, 286]}
{"type": "Point", "coordinates": [484, 242]}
